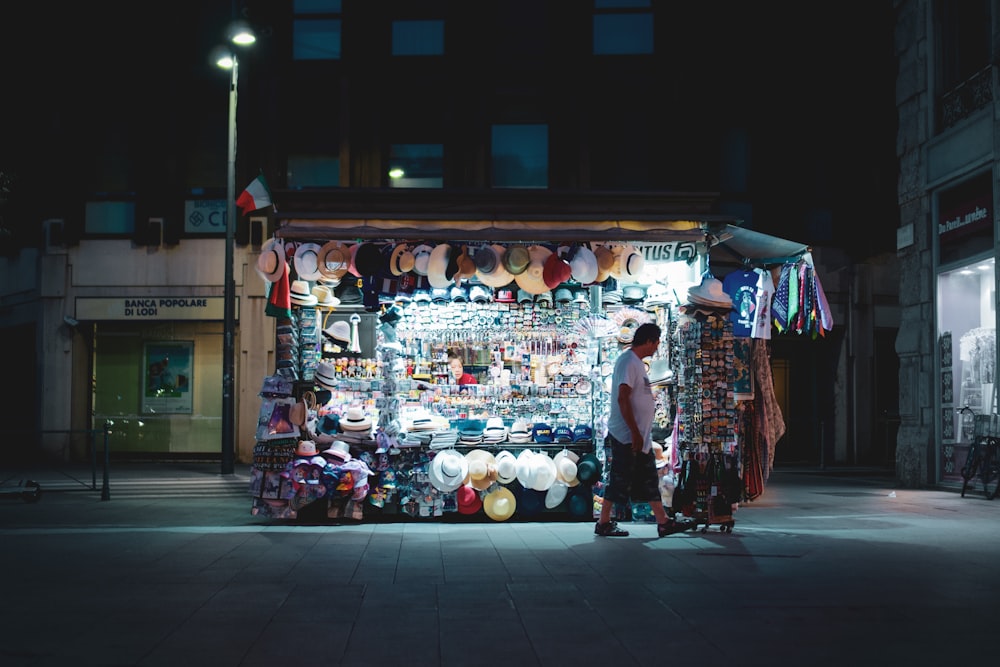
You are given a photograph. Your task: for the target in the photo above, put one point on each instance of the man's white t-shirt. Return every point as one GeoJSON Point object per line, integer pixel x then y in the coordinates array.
{"type": "Point", "coordinates": [630, 370]}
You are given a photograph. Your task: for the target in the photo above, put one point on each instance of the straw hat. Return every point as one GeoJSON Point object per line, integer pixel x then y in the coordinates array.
{"type": "Point", "coordinates": [605, 263]}
{"type": "Point", "coordinates": [583, 264]}
{"type": "Point", "coordinates": [437, 266]}
{"type": "Point", "coordinates": [421, 257]}
{"type": "Point", "coordinates": [301, 295]}
{"type": "Point", "coordinates": [629, 264]}
{"type": "Point", "coordinates": [271, 261]}
{"type": "Point", "coordinates": [499, 504]}
{"type": "Point", "coordinates": [506, 467]}
{"type": "Point", "coordinates": [543, 471]}
{"type": "Point", "coordinates": [333, 260]}
{"type": "Point", "coordinates": [339, 450]}
{"type": "Point", "coordinates": [401, 261]}
{"type": "Point", "coordinates": [447, 470]}
{"type": "Point", "coordinates": [532, 279]}
{"type": "Point", "coordinates": [324, 297]}
{"type": "Point", "coordinates": [355, 420]}
{"type": "Point", "coordinates": [566, 467]}
{"type": "Point", "coordinates": [482, 469]}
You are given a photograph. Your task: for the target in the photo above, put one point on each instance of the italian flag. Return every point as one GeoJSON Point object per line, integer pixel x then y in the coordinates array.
{"type": "Point", "coordinates": [255, 196]}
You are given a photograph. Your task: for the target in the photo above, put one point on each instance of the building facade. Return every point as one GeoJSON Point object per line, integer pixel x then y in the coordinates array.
{"type": "Point", "coordinates": [113, 284]}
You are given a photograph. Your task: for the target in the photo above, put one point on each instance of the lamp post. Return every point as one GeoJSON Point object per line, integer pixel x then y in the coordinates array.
{"type": "Point", "coordinates": [241, 35]}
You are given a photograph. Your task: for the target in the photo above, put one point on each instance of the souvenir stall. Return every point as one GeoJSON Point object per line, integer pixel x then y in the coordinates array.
{"type": "Point", "coordinates": [467, 380]}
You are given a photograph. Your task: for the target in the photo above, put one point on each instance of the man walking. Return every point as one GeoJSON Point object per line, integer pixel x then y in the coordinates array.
{"type": "Point", "coordinates": [632, 475]}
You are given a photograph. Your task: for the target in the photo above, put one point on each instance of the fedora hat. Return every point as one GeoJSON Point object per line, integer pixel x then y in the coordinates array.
{"type": "Point", "coordinates": [482, 469]}
{"type": "Point", "coordinates": [566, 467]}
{"type": "Point", "coordinates": [306, 261]}
{"type": "Point", "coordinates": [339, 450]}
{"type": "Point", "coordinates": [499, 504]}
{"type": "Point", "coordinates": [448, 469]}
{"type": "Point", "coordinates": [421, 258]}
{"type": "Point", "coordinates": [467, 499]}
{"type": "Point", "coordinates": [506, 467]}
{"type": "Point", "coordinates": [497, 275]}
{"type": "Point", "coordinates": [605, 263]}
{"type": "Point", "coordinates": [486, 259]}
{"type": "Point", "coordinates": [271, 261]}
{"type": "Point", "coordinates": [367, 259]}
{"type": "Point", "coordinates": [629, 264]}
{"type": "Point", "coordinates": [333, 260]}
{"type": "Point", "coordinates": [301, 295]}
{"type": "Point", "coordinates": [583, 264]}
{"type": "Point", "coordinates": [401, 261]}
{"type": "Point", "coordinates": [516, 259]}
{"type": "Point", "coordinates": [532, 279]}
{"type": "Point", "coordinates": [355, 420]}
{"type": "Point", "coordinates": [325, 375]}
{"type": "Point", "coordinates": [556, 269]}
{"type": "Point", "coordinates": [324, 297]}
{"type": "Point", "coordinates": [438, 265]}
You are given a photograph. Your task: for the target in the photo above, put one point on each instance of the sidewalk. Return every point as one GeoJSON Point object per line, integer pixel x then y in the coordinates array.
{"type": "Point", "coordinates": [820, 570]}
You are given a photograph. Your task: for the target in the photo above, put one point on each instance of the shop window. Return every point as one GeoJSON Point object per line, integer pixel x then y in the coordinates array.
{"type": "Point", "coordinates": [417, 38]}
{"type": "Point", "coordinates": [109, 217]}
{"type": "Point", "coordinates": [316, 30]}
{"type": "Point", "coordinates": [313, 171]}
{"type": "Point", "coordinates": [520, 156]}
{"type": "Point", "coordinates": [622, 27]}
{"type": "Point", "coordinates": [966, 333]}
{"type": "Point", "coordinates": [416, 166]}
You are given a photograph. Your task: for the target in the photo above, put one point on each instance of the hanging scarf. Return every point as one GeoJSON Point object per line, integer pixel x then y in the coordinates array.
{"type": "Point", "coordinates": [779, 305]}
{"type": "Point", "coordinates": [279, 296]}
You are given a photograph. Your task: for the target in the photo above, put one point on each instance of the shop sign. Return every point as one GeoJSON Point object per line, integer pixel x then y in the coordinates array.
{"type": "Point", "coordinates": [970, 217]}
{"type": "Point", "coordinates": [204, 216]}
{"type": "Point", "coordinates": [671, 251]}
{"type": "Point", "coordinates": [152, 308]}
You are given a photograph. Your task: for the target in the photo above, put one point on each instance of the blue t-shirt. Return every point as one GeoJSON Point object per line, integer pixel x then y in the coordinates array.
{"type": "Point", "coordinates": [741, 286]}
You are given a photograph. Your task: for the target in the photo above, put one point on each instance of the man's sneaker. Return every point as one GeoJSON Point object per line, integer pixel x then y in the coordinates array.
{"type": "Point", "coordinates": [609, 529]}
{"type": "Point", "coordinates": [675, 526]}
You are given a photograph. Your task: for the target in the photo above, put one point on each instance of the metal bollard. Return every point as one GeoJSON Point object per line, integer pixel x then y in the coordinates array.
{"type": "Point", "coordinates": [105, 489]}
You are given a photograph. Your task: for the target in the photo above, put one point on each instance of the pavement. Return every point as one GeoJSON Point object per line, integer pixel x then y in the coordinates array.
{"type": "Point", "coordinates": [170, 568]}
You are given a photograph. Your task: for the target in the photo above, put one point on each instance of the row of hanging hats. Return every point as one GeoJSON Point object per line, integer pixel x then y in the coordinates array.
{"type": "Point", "coordinates": [535, 268]}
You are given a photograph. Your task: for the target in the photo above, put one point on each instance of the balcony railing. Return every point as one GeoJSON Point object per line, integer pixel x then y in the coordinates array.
{"type": "Point", "coordinates": [970, 96]}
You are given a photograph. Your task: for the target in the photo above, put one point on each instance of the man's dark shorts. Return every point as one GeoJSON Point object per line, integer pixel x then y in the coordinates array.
{"type": "Point", "coordinates": [633, 476]}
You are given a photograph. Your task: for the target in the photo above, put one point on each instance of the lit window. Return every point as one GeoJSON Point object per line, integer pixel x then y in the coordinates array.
{"type": "Point", "coordinates": [622, 27]}
{"type": "Point", "coordinates": [520, 156]}
{"type": "Point", "coordinates": [417, 38]}
{"type": "Point", "coordinates": [313, 171]}
{"type": "Point", "coordinates": [416, 166]}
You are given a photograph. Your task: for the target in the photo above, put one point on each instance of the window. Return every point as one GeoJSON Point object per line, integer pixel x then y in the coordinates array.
{"type": "Point", "coordinates": [622, 27]}
{"type": "Point", "coordinates": [965, 34]}
{"type": "Point", "coordinates": [316, 30]}
{"type": "Point", "coordinates": [416, 166]}
{"type": "Point", "coordinates": [417, 38]}
{"type": "Point", "coordinates": [313, 171]}
{"type": "Point", "coordinates": [109, 217]}
{"type": "Point", "coordinates": [520, 156]}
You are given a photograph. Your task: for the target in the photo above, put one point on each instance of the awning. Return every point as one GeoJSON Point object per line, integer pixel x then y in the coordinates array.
{"type": "Point", "coordinates": [685, 219]}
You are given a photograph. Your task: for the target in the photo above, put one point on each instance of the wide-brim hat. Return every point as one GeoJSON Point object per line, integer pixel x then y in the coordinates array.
{"type": "Point", "coordinates": [506, 464]}
{"type": "Point", "coordinates": [710, 293]}
{"type": "Point", "coordinates": [482, 469]}
{"type": "Point", "coordinates": [437, 266]}
{"type": "Point", "coordinates": [565, 462]}
{"type": "Point", "coordinates": [421, 258]}
{"type": "Point", "coordinates": [499, 504]}
{"type": "Point", "coordinates": [583, 264]}
{"type": "Point", "coordinates": [605, 263]}
{"type": "Point", "coordinates": [555, 495]}
{"type": "Point", "coordinates": [532, 279]}
{"type": "Point", "coordinates": [333, 260]}
{"type": "Point", "coordinates": [486, 259]}
{"type": "Point", "coordinates": [556, 270]}
{"type": "Point", "coordinates": [589, 469]}
{"type": "Point", "coordinates": [543, 473]}
{"type": "Point", "coordinates": [498, 276]}
{"type": "Point", "coordinates": [306, 261]}
{"type": "Point", "coordinates": [355, 420]}
{"type": "Point", "coordinates": [468, 500]}
{"type": "Point", "coordinates": [401, 260]}
{"type": "Point", "coordinates": [515, 260]}
{"type": "Point", "coordinates": [368, 260]}
{"type": "Point", "coordinates": [629, 264]}
{"type": "Point", "coordinates": [271, 261]}
{"type": "Point", "coordinates": [448, 469]}
{"type": "Point", "coordinates": [525, 471]}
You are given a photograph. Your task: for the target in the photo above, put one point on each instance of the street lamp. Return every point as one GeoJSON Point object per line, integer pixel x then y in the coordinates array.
{"type": "Point", "coordinates": [240, 34]}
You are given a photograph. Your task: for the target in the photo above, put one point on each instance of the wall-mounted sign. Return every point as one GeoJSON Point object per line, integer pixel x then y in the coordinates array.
{"type": "Point", "coordinates": [152, 308]}
{"type": "Point", "coordinates": [205, 216]}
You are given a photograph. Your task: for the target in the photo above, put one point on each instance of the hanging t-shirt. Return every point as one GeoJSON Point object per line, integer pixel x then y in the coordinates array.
{"type": "Point", "coordinates": [761, 326]}
{"type": "Point", "coordinates": [741, 286]}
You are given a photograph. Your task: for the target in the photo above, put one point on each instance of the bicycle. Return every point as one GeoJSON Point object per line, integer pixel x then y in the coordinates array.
{"type": "Point", "coordinates": [984, 454]}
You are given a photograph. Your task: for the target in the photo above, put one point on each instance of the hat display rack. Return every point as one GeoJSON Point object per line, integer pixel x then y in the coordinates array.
{"type": "Point", "coordinates": [539, 323]}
